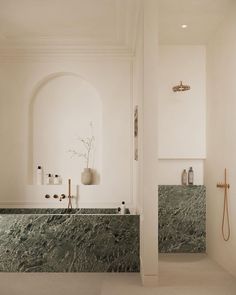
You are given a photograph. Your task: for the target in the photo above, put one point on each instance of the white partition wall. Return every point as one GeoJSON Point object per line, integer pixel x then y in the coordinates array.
{"type": "Point", "coordinates": [181, 115]}
{"type": "Point", "coordinates": [221, 140]}
{"type": "Point", "coordinates": [149, 213]}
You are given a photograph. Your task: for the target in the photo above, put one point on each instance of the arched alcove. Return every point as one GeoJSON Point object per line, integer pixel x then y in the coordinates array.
{"type": "Point", "coordinates": [63, 108]}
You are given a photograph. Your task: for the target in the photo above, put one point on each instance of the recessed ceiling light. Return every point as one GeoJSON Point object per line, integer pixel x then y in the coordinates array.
{"type": "Point", "coordinates": [184, 26]}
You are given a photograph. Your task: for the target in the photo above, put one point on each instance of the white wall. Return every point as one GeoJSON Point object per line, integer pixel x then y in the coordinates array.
{"type": "Point", "coordinates": [112, 80]}
{"type": "Point", "coordinates": [221, 140]}
{"type": "Point", "coordinates": [182, 115]}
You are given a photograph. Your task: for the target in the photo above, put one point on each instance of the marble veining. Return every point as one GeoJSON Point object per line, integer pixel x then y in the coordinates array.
{"type": "Point", "coordinates": [182, 219]}
{"type": "Point", "coordinates": [31, 242]}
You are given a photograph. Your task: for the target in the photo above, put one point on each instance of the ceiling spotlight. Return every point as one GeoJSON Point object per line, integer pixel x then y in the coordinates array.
{"type": "Point", "coordinates": [184, 26]}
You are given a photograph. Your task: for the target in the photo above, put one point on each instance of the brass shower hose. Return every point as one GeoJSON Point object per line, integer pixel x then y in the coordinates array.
{"type": "Point", "coordinates": [225, 219]}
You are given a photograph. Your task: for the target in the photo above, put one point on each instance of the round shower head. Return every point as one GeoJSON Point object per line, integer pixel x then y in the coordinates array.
{"type": "Point", "coordinates": [181, 87]}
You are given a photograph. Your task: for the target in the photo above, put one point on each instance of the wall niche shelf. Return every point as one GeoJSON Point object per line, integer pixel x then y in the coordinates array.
{"type": "Point", "coordinates": [73, 110]}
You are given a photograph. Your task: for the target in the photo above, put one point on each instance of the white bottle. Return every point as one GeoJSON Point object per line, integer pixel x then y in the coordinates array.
{"type": "Point", "coordinates": [190, 176]}
{"type": "Point", "coordinates": [57, 179]}
{"type": "Point", "coordinates": [122, 207]}
{"type": "Point", "coordinates": [39, 176]}
{"type": "Point", "coordinates": [184, 177]}
{"type": "Point", "coordinates": [49, 178]}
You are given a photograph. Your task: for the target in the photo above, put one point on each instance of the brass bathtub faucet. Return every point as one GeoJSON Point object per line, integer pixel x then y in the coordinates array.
{"type": "Point", "coordinates": [63, 196]}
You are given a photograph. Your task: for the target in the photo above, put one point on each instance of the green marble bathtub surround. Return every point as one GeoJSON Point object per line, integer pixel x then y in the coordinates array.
{"type": "Point", "coordinates": [54, 242]}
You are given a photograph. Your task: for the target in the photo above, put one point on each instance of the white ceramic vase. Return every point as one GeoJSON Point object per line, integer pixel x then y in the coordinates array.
{"type": "Point", "coordinates": [87, 176]}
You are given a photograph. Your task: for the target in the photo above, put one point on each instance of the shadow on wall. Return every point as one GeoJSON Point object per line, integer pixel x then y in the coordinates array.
{"type": "Point", "coordinates": [64, 108]}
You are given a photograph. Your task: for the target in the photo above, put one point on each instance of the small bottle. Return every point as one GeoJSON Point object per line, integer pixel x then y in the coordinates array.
{"type": "Point", "coordinates": [39, 176]}
{"type": "Point", "coordinates": [56, 179]}
{"type": "Point", "coordinates": [122, 211]}
{"type": "Point", "coordinates": [190, 176]}
{"type": "Point", "coordinates": [49, 178]}
{"type": "Point", "coordinates": [184, 177]}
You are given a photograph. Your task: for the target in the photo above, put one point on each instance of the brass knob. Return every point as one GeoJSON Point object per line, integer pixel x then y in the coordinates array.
{"type": "Point", "coordinates": [63, 196]}
{"type": "Point", "coordinates": [47, 196]}
{"type": "Point", "coordinates": [55, 196]}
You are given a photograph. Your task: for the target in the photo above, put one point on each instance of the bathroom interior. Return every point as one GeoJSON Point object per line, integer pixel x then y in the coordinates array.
{"type": "Point", "coordinates": [103, 105]}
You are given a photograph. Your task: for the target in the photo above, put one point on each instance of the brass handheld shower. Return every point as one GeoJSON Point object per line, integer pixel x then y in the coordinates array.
{"type": "Point", "coordinates": [225, 218]}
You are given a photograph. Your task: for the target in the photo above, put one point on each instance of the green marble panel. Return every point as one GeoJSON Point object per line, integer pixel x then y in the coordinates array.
{"type": "Point", "coordinates": [182, 219]}
{"type": "Point", "coordinates": [68, 242]}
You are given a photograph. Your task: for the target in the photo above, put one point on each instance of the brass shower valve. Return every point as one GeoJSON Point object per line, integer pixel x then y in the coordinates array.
{"type": "Point", "coordinates": [222, 185]}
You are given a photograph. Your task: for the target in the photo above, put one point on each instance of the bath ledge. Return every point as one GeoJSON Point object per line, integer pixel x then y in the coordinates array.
{"type": "Point", "coordinates": [70, 214]}
{"type": "Point", "coordinates": [63, 211]}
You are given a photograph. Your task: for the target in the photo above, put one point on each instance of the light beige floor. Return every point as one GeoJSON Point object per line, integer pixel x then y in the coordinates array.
{"type": "Point", "coordinates": [179, 275]}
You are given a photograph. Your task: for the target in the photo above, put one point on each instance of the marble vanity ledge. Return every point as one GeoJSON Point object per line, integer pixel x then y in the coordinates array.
{"type": "Point", "coordinates": [181, 185]}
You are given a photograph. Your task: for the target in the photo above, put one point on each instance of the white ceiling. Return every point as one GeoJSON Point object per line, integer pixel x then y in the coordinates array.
{"type": "Point", "coordinates": [78, 22]}
{"type": "Point", "coordinates": [104, 24]}
{"type": "Point", "coordinates": [202, 16]}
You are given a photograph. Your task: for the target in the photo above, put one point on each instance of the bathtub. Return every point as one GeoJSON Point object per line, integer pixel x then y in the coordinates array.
{"type": "Point", "coordinates": [62, 240]}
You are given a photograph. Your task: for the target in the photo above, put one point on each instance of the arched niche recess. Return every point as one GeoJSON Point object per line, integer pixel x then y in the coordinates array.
{"type": "Point", "coordinates": [63, 108]}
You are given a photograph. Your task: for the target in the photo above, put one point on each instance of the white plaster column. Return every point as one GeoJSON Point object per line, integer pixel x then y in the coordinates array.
{"type": "Point", "coordinates": [149, 162]}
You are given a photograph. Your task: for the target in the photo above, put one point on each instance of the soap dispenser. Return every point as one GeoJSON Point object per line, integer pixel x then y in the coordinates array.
{"type": "Point", "coordinates": [190, 176]}
{"type": "Point", "coordinates": [39, 175]}
{"type": "Point", "coordinates": [49, 179]}
{"type": "Point", "coordinates": [57, 179]}
{"type": "Point", "coordinates": [122, 211]}
{"type": "Point", "coordinates": [184, 177]}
